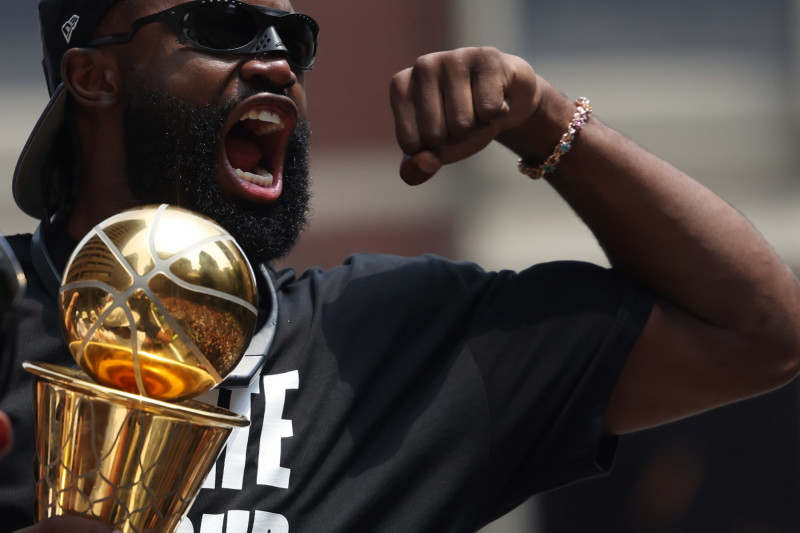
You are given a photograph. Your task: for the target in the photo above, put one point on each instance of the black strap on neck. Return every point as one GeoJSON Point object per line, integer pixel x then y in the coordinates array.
{"type": "Point", "coordinates": [249, 368]}
{"type": "Point", "coordinates": [255, 356]}
{"type": "Point", "coordinates": [44, 265]}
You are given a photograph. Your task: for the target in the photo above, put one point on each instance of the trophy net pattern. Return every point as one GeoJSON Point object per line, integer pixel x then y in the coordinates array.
{"type": "Point", "coordinates": [134, 469]}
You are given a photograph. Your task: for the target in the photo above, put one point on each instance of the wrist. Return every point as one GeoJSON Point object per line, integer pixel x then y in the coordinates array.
{"type": "Point", "coordinates": [582, 114]}
{"type": "Point", "coordinates": [533, 140]}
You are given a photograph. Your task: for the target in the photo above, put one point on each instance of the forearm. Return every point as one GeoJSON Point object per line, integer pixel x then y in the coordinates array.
{"type": "Point", "coordinates": [726, 324]}
{"type": "Point", "coordinates": [662, 227]}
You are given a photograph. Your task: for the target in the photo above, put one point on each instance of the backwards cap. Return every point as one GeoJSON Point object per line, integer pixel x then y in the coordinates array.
{"type": "Point", "coordinates": [64, 24]}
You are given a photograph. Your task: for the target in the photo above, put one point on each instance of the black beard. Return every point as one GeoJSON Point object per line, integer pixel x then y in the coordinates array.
{"type": "Point", "coordinates": [171, 149]}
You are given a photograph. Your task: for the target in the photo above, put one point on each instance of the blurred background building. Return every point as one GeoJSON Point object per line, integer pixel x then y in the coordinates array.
{"type": "Point", "coordinates": [710, 85]}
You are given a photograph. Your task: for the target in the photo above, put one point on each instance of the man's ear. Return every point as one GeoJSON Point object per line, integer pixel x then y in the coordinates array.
{"type": "Point", "coordinates": [91, 76]}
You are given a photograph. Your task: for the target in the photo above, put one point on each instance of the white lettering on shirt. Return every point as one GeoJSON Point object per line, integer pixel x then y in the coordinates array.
{"type": "Point", "coordinates": [275, 428]}
{"type": "Point", "coordinates": [212, 523]}
{"type": "Point", "coordinates": [270, 523]}
{"type": "Point", "coordinates": [238, 522]}
{"type": "Point", "coordinates": [270, 472]}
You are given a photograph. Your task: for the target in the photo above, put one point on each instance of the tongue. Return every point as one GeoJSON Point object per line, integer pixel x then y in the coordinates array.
{"type": "Point", "coordinates": [242, 153]}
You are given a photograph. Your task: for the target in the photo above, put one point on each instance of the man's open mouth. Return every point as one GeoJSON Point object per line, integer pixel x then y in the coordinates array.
{"type": "Point", "coordinates": [247, 145]}
{"type": "Point", "coordinates": [256, 145]}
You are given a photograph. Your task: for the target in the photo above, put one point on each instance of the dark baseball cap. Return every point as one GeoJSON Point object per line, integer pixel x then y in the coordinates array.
{"type": "Point", "coordinates": [64, 24]}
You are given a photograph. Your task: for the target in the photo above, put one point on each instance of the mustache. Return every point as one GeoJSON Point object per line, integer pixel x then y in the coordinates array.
{"type": "Point", "coordinates": [246, 91]}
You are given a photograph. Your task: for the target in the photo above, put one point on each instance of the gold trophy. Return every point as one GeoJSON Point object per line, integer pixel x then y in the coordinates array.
{"type": "Point", "coordinates": [158, 305]}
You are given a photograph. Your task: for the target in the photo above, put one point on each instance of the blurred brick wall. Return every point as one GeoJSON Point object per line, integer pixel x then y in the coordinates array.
{"type": "Point", "coordinates": [362, 44]}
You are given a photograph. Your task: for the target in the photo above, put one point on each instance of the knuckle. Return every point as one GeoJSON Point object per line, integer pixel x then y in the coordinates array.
{"type": "Point", "coordinates": [488, 50]}
{"type": "Point", "coordinates": [398, 85]}
{"type": "Point", "coordinates": [489, 107]}
{"type": "Point", "coordinates": [434, 137]}
{"type": "Point", "coordinates": [461, 125]}
{"type": "Point", "coordinates": [425, 66]}
{"type": "Point", "coordinates": [399, 79]}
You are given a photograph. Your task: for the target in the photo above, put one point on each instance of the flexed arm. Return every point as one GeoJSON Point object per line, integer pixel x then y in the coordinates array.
{"type": "Point", "coordinates": [726, 325]}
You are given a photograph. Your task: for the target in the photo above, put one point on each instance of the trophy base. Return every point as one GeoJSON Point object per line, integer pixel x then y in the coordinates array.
{"type": "Point", "coordinates": [132, 462]}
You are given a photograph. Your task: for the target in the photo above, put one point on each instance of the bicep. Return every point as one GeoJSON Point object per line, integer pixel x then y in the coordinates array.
{"type": "Point", "coordinates": [680, 366]}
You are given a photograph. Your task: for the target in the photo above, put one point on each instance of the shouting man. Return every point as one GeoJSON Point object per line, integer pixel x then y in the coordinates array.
{"type": "Point", "coordinates": [470, 390]}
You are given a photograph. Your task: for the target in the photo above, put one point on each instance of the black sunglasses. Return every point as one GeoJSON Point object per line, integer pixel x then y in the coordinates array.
{"type": "Point", "coordinates": [233, 27]}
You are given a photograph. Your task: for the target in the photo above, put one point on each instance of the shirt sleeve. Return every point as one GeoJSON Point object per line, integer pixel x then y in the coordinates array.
{"type": "Point", "coordinates": [550, 343]}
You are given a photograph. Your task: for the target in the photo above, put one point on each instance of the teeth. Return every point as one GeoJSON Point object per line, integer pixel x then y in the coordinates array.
{"type": "Point", "coordinates": [270, 122]}
{"type": "Point", "coordinates": [265, 128]}
{"type": "Point", "coordinates": [263, 116]}
{"type": "Point", "coordinates": [266, 116]}
{"type": "Point", "coordinates": [263, 178]}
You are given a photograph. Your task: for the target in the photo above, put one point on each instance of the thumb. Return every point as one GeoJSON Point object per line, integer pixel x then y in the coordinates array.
{"type": "Point", "coordinates": [471, 145]}
{"type": "Point", "coordinates": [419, 168]}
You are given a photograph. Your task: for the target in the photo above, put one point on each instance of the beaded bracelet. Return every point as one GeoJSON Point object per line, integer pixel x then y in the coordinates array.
{"type": "Point", "coordinates": [582, 113]}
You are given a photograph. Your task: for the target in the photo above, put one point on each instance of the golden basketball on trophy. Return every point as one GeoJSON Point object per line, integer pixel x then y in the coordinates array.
{"type": "Point", "coordinates": [158, 305]}
{"type": "Point", "coordinates": [158, 302]}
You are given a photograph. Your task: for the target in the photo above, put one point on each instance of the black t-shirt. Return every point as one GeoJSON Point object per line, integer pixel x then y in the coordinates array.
{"type": "Point", "coordinates": [399, 395]}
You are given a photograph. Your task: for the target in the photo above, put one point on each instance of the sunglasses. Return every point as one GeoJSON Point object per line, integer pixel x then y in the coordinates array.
{"type": "Point", "coordinates": [233, 27]}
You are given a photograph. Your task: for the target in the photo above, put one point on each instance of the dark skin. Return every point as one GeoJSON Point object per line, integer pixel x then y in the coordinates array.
{"type": "Point", "coordinates": [97, 81]}
{"type": "Point", "coordinates": [726, 324]}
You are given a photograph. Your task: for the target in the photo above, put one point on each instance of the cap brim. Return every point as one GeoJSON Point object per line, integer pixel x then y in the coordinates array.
{"type": "Point", "coordinates": [27, 184]}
